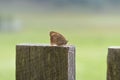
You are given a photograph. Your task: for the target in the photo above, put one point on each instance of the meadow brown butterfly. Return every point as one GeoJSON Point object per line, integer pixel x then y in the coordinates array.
{"type": "Point", "coordinates": [57, 39]}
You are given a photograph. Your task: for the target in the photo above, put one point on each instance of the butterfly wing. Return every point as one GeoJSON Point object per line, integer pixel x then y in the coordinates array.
{"type": "Point", "coordinates": [61, 40]}
{"type": "Point", "coordinates": [57, 38]}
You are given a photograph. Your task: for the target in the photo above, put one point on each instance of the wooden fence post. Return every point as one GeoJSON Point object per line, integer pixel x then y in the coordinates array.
{"type": "Point", "coordinates": [113, 63]}
{"type": "Point", "coordinates": [45, 62]}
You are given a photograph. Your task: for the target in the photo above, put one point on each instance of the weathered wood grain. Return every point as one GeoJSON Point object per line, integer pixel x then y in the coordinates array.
{"type": "Point", "coordinates": [22, 63]}
{"type": "Point", "coordinates": [113, 63]}
{"type": "Point", "coordinates": [45, 62]}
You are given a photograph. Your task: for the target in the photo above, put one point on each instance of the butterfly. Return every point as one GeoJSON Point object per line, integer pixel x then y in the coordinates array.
{"type": "Point", "coordinates": [57, 39]}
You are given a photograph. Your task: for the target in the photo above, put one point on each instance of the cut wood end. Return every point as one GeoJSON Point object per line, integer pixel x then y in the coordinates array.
{"type": "Point", "coordinates": [44, 45]}
{"type": "Point", "coordinates": [114, 47]}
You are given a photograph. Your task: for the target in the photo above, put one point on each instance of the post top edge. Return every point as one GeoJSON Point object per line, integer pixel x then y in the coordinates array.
{"type": "Point", "coordinates": [44, 45]}
{"type": "Point", "coordinates": [114, 47]}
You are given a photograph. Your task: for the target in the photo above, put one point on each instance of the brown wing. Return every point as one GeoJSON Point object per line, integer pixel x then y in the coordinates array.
{"type": "Point", "coordinates": [61, 40]}
{"type": "Point", "coordinates": [57, 38]}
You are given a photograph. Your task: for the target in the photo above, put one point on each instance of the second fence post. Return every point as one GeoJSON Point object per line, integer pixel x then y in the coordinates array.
{"type": "Point", "coordinates": [45, 62]}
{"type": "Point", "coordinates": [113, 63]}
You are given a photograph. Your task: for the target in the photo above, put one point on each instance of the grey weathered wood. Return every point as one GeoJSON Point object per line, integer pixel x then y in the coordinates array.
{"type": "Point", "coordinates": [113, 63]}
{"type": "Point", "coordinates": [45, 62]}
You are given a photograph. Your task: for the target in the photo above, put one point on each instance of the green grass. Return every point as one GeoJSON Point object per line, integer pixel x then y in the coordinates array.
{"type": "Point", "coordinates": [91, 34]}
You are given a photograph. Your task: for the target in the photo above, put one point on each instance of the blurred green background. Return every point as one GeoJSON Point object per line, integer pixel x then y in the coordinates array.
{"type": "Point", "coordinates": [91, 34]}
{"type": "Point", "coordinates": [91, 25]}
